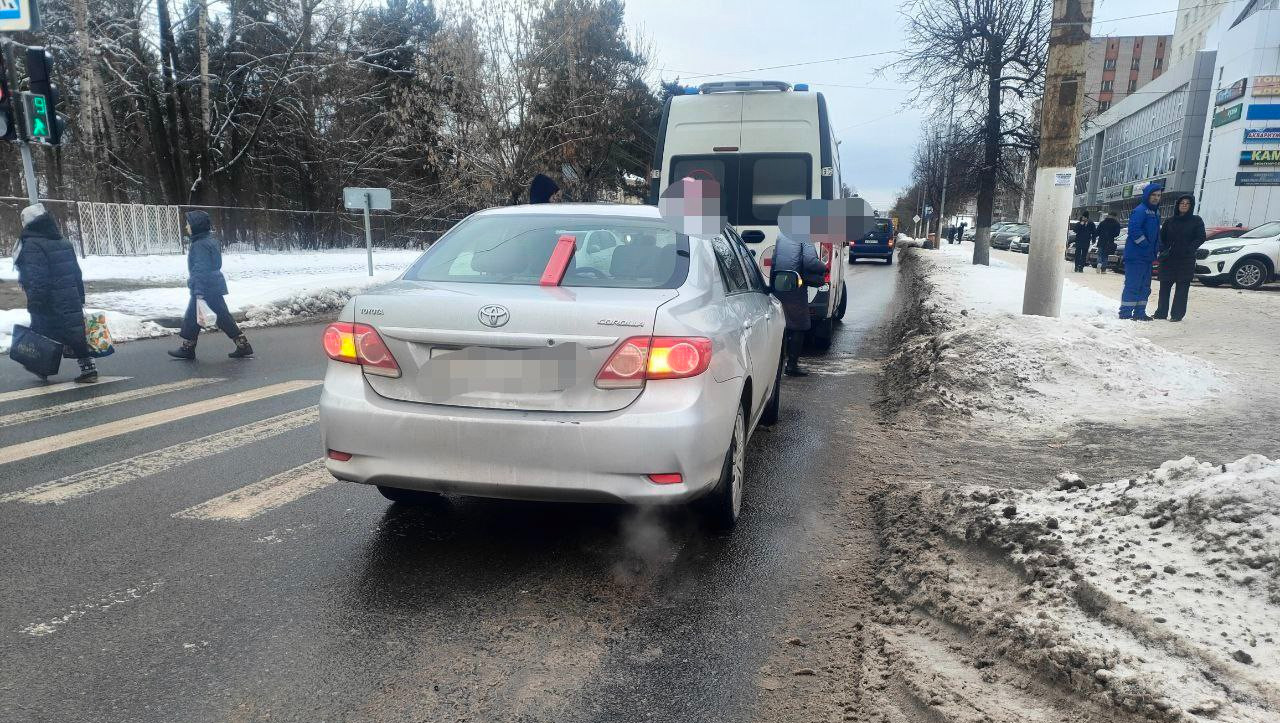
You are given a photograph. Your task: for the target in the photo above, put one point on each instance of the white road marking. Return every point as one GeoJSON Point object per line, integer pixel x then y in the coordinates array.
{"type": "Point", "coordinates": [67, 440]}
{"type": "Point", "coordinates": [31, 415]}
{"type": "Point", "coordinates": [252, 500]}
{"type": "Point", "coordinates": [48, 627]}
{"type": "Point", "coordinates": [161, 460]}
{"type": "Point", "coordinates": [55, 388]}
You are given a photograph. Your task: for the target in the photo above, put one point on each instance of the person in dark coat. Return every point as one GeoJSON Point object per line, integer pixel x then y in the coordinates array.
{"type": "Point", "coordinates": [1140, 254]}
{"type": "Point", "coordinates": [1180, 238]}
{"type": "Point", "coordinates": [1108, 230]}
{"type": "Point", "coordinates": [794, 251]}
{"type": "Point", "coordinates": [50, 275]}
{"type": "Point", "coordinates": [1085, 230]}
{"type": "Point", "coordinates": [206, 282]}
{"type": "Point", "coordinates": [542, 190]}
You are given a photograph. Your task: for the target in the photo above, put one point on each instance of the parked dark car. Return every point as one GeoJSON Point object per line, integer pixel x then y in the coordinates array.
{"type": "Point", "coordinates": [1002, 238]}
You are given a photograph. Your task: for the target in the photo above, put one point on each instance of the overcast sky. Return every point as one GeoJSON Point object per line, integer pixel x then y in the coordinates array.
{"type": "Point", "coordinates": [692, 38]}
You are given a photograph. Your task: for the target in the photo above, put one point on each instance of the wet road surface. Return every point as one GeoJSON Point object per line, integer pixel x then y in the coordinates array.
{"type": "Point", "coordinates": [172, 554]}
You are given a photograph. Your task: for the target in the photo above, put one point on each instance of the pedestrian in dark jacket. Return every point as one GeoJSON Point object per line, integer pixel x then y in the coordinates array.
{"type": "Point", "coordinates": [50, 275]}
{"type": "Point", "coordinates": [207, 284]}
{"type": "Point", "coordinates": [1180, 238]}
{"type": "Point", "coordinates": [796, 252]}
{"type": "Point", "coordinates": [1108, 230]}
{"type": "Point", "coordinates": [542, 190]}
{"type": "Point", "coordinates": [1086, 231]}
{"type": "Point", "coordinates": [1140, 254]}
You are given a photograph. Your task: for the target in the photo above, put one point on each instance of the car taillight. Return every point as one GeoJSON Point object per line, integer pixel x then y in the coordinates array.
{"type": "Point", "coordinates": [642, 358]}
{"type": "Point", "coordinates": [825, 252]}
{"type": "Point", "coordinates": [359, 344]}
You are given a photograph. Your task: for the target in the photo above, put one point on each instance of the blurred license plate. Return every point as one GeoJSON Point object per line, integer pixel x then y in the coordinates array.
{"type": "Point", "coordinates": [495, 370]}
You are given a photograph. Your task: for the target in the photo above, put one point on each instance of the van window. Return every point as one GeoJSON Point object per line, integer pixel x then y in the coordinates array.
{"type": "Point", "coordinates": [755, 186]}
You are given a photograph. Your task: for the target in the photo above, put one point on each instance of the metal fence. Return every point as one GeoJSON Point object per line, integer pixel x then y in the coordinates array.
{"type": "Point", "coordinates": [127, 229]}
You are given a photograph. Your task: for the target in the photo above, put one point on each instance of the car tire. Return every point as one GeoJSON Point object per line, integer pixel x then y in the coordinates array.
{"type": "Point", "coordinates": [1250, 274]}
{"type": "Point", "coordinates": [773, 407]}
{"type": "Point", "coordinates": [889, 260]}
{"type": "Point", "coordinates": [721, 508]}
{"type": "Point", "coordinates": [844, 302]}
{"type": "Point", "coordinates": [411, 497]}
{"type": "Point", "coordinates": [820, 335]}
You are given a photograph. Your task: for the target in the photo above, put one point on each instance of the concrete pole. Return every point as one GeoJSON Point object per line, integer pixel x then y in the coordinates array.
{"type": "Point", "coordinates": [1056, 173]}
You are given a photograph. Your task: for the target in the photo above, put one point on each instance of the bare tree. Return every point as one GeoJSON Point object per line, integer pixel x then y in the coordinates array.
{"type": "Point", "coordinates": [990, 56]}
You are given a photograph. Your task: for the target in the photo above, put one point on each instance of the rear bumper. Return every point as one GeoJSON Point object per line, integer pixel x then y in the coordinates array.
{"type": "Point", "coordinates": [870, 252]}
{"type": "Point", "coordinates": [680, 426]}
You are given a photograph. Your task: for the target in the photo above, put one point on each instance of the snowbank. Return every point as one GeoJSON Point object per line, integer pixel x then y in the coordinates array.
{"type": "Point", "coordinates": [123, 326]}
{"type": "Point", "coordinates": [1161, 592]}
{"type": "Point", "coordinates": [967, 348]}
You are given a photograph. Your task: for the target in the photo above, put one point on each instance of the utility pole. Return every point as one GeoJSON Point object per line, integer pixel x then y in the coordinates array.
{"type": "Point", "coordinates": [1055, 175]}
{"type": "Point", "coordinates": [946, 167]}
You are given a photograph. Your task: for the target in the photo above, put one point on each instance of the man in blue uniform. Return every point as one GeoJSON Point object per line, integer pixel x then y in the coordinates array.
{"type": "Point", "coordinates": [1140, 253]}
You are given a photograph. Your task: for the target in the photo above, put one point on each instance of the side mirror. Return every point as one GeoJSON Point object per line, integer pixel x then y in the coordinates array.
{"type": "Point", "coordinates": [787, 281]}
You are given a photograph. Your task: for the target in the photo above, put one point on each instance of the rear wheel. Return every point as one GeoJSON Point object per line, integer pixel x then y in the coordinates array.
{"type": "Point", "coordinates": [773, 407]}
{"type": "Point", "coordinates": [889, 260]}
{"type": "Point", "coordinates": [1249, 274]}
{"type": "Point", "coordinates": [411, 497]}
{"type": "Point", "coordinates": [723, 506]}
{"type": "Point", "coordinates": [844, 302]}
{"type": "Point", "coordinates": [820, 334]}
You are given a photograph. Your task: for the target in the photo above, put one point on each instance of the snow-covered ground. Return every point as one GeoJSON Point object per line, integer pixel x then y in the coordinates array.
{"type": "Point", "coordinates": [270, 288]}
{"type": "Point", "coordinates": [975, 353]}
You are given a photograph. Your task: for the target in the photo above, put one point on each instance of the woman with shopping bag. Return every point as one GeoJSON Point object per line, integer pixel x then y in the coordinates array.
{"type": "Point", "coordinates": [49, 274]}
{"type": "Point", "coordinates": [208, 287]}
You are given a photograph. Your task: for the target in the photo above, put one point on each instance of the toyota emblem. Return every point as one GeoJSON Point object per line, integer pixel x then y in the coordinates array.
{"type": "Point", "coordinates": [494, 315]}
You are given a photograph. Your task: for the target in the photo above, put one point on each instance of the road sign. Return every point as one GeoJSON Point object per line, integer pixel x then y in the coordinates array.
{"type": "Point", "coordinates": [357, 199]}
{"type": "Point", "coordinates": [916, 218]}
{"type": "Point", "coordinates": [18, 16]}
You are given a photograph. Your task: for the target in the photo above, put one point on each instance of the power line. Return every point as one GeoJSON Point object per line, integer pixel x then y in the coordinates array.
{"type": "Point", "coordinates": [690, 75]}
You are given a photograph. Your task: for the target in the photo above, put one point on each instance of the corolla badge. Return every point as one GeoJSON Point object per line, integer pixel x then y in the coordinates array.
{"type": "Point", "coordinates": [618, 322]}
{"type": "Point", "coordinates": [494, 315]}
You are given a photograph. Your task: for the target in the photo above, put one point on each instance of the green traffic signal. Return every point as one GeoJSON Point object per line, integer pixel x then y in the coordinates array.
{"type": "Point", "coordinates": [39, 117]}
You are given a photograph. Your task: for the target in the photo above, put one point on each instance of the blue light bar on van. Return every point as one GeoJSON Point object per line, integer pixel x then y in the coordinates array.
{"type": "Point", "coordinates": [801, 86]}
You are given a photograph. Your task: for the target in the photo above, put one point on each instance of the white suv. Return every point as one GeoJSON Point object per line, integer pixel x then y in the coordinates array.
{"type": "Point", "coordinates": [1247, 261]}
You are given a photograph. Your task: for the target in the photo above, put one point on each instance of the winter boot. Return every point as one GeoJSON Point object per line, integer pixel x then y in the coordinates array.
{"type": "Point", "coordinates": [186, 351]}
{"type": "Point", "coordinates": [88, 372]}
{"type": "Point", "coordinates": [793, 370]}
{"type": "Point", "coordinates": [243, 348]}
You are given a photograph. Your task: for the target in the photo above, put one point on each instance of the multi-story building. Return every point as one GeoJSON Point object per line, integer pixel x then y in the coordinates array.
{"type": "Point", "coordinates": [1116, 67]}
{"type": "Point", "coordinates": [1196, 20]}
{"type": "Point", "coordinates": [1152, 136]}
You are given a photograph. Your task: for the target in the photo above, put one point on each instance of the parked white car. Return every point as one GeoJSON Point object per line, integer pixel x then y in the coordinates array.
{"type": "Point", "coordinates": [1247, 261]}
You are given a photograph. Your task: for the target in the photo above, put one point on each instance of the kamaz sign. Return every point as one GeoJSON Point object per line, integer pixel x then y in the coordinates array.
{"type": "Point", "coordinates": [1260, 158]}
{"type": "Point", "coordinates": [18, 16]}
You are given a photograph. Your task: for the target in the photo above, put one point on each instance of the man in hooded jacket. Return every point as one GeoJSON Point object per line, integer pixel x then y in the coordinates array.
{"type": "Point", "coordinates": [542, 189]}
{"type": "Point", "coordinates": [207, 284]}
{"type": "Point", "coordinates": [50, 275]}
{"type": "Point", "coordinates": [1180, 238]}
{"type": "Point", "coordinates": [1140, 253]}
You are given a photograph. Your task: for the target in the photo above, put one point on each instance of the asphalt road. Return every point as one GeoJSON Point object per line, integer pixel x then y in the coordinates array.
{"type": "Point", "coordinates": [198, 569]}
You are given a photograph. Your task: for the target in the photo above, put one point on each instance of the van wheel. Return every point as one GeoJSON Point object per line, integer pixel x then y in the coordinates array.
{"type": "Point", "coordinates": [411, 497]}
{"type": "Point", "coordinates": [722, 507]}
{"type": "Point", "coordinates": [844, 302]}
{"type": "Point", "coordinates": [1249, 274]}
{"type": "Point", "coordinates": [773, 407]}
{"type": "Point", "coordinates": [889, 261]}
{"type": "Point", "coordinates": [820, 335]}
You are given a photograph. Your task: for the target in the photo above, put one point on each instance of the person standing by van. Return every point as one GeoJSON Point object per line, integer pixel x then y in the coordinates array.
{"type": "Point", "coordinates": [794, 251]}
{"type": "Point", "coordinates": [1180, 238]}
{"type": "Point", "coordinates": [208, 285]}
{"type": "Point", "coordinates": [1140, 254]}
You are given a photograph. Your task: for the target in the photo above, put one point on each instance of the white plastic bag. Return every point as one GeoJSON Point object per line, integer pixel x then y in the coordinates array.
{"type": "Point", "coordinates": [205, 317]}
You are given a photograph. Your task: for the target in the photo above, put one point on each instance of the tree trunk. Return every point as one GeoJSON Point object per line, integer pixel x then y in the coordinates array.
{"type": "Point", "coordinates": [990, 159]}
{"type": "Point", "coordinates": [171, 101]}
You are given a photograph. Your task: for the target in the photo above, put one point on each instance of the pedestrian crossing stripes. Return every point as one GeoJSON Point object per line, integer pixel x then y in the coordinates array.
{"type": "Point", "coordinates": [125, 471]}
{"type": "Point", "coordinates": [58, 442]}
{"type": "Point", "coordinates": [82, 405]}
{"type": "Point", "coordinates": [55, 388]}
{"type": "Point", "coordinates": [253, 500]}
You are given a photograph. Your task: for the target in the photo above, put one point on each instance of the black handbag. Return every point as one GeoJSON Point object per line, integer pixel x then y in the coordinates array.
{"type": "Point", "coordinates": [39, 354]}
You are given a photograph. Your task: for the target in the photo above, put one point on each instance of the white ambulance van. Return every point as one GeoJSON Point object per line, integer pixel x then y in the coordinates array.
{"type": "Point", "coordinates": [766, 143]}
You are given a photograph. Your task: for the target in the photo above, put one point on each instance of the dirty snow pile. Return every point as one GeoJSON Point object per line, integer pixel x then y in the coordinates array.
{"type": "Point", "coordinates": [123, 327]}
{"type": "Point", "coordinates": [1159, 595]}
{"type": "Point", "coordinates": [968, 349]}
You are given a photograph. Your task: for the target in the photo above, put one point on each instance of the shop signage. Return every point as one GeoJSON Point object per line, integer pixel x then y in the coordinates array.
{"type": "Point", "coordinates": [1262, 135]}
{"type": "Point", "coordinates": [1231, 92]}
{"type": "Point", "coordinates": [1260, 158]}
{"type": "Point", "coordinates": [1266, 86]}
{"type": "Point", "coordinates": [1258, 178]}
{"type": "Point", "coordinates": [1231, 115]}
{"type": "Point", "coordinates": [1270, 111]}
{"type": "Point", "coordinates": [1111, 194]}
{"type": "Point", "coordinates": [1128, 191]}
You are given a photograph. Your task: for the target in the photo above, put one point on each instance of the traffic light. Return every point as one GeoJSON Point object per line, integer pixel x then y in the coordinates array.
{"type": "Point", "coordinates": [8, 125]}
{"type": "Point", "coordinates": [40, 105]}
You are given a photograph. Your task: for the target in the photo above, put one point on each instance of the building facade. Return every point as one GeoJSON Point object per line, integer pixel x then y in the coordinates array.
{"type": "Point", "coordinates": [1196, 19]}
{"type": "Point", "coordinates": [1152, 136]}
{"type": "Point", "coordinates": [1117, 67]}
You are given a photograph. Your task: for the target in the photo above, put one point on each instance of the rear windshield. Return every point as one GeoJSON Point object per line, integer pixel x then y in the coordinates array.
{"type": "Point", "coordinates": [754, 186]}
{"type": "Point", "coordinates": [514, 249]}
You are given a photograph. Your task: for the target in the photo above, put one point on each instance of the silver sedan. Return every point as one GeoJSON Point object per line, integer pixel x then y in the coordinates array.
{"type": "Point", "coordinates": [558, 352]}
